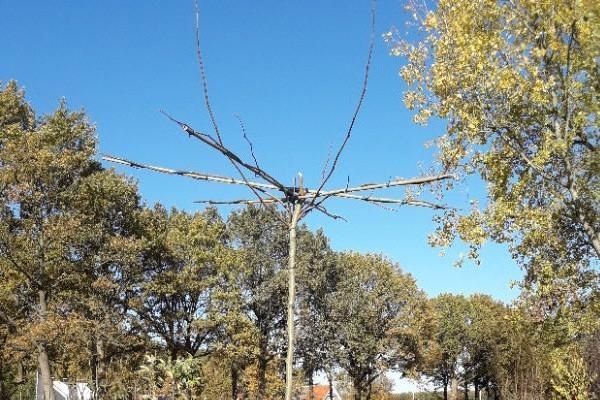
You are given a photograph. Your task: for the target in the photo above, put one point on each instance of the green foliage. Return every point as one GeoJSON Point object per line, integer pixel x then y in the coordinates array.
{"type": "Point", "coordinates": [377, 308]}
{"type": "Point", "coordinates": [517, 83]}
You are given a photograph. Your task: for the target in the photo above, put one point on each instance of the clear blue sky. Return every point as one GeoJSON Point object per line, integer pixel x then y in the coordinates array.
{"type": "Point", "coordinates": [292, 70]}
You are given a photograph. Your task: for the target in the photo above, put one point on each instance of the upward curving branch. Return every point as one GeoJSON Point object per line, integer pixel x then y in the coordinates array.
{"type": "Point", "coordinates": [361, 99]}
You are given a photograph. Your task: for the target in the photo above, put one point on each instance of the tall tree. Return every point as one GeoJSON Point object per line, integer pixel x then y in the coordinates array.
{"type": "Point", "coordinates": [52, 232]}
{"type": "Point", "coordinates": [484, 341]}
{"type": "Point", "coordinates": [182, 256]}
{"type": "Point", "coordinates": [518, 84]}
{"type": "Point", "coordinates": [379, 311]}
{"type": "Point", "coordinates": [319, 276]}
{"type": "Point", "coordinates": [449, 339]}
{"type": "Point", "coordinates": [262, 244]}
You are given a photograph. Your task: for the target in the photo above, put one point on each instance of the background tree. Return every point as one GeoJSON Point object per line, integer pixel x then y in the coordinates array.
{"type": "Point", "coordinates": [449, 338]}
{"type": "Point", "coordinates": [261, 241]}
{"type": "Point", "coordinates": [43, 162]}
{"type": "Point", "coordinates": [182, 256]}
{"type": "Point", "coordinates": [483, 342]}
{"type": "Point", "coordinates": [378, 309]}
{"type": "Point", "coordinates": [64, 223]}
{"type": "Point", "coordinates": [319, 275]}
{"type": "Point", "coordinates": [518, 83]}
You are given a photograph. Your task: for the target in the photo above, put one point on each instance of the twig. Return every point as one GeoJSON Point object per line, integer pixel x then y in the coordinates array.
{"type": "Point", "coordinates": [207, 103]}
{"type": "Point", "coordinates": [244, 132]}
{"type": "Point", "coordinates": [358, 106]}
{"type": "Point", "coordinates": [207, 139]}
{"type": "Point", "coordinates": [324, 211]}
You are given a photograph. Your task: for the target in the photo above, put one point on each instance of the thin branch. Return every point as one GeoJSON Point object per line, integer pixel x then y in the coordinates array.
{"type": "Point", "coordinates": [207, 139]}
{"type": "Point", "coordinates": [207, 103]}
{"type": "Point", "coordinates": [358, 106]}
{"type": "Point", "coordinates": [234, 160]}
{"type": "Point", "coordinates": [244, 132]}
{"type": "Point", "coordinates": [327, 213]}
{"type": "Point", "coordinates": [190, 174]}
{"type": "Point", "coordinates": [232, 202]}
{"type": "Point", "coordinates": [373, 186]}
{"type": "Point", "coordinates": [384, 200]}
{"type": "Point", "coordinates": [324, 170]}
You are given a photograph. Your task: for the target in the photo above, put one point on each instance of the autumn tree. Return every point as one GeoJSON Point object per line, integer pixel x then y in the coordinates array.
{"type": "Point", "coordinates": [483, 342]}
{"type": "Point", "coordinates": [518, 84]}
{"type": "Point", "coordinates": [319, 276]}
{"type": "Point", "coordinates": [378, 309]}
{"type": "Point", "coordinates": [182, 256]}
{"type": "Point", "coordinates": [449, 339]}
{"type": "Point", "coordinates": [60, 214]}
{"type": "Point", "coordinates": [261, 242]}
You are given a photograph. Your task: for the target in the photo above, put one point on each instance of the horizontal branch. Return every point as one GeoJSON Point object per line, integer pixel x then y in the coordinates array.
{"type": "Point", "coordinates": [234, 202]}
{"type": "Point", "coordinates": [189, 174]}
{"type": "Point", "coordinates": [373, 186]}
{"type": "Point", "coordinates": [368, 199]}
{"type": "Point", "coordinates": [383, 200]}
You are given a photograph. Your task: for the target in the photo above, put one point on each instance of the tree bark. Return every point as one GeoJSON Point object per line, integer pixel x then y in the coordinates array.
{"type": "Point", "coordinates": [98, 366]}
{"type": "Point", "coordinates": [262, 376]}
{"type": "Point", "coordinates": [476, 391]}
{"type": "Point", "coordinates": [330, 379]}
{"type": "Point", "coordinates": [289, 362]}
{"type": "Point", "coordinates": [445, 390]}
{"type": "Point", "coordinates": [358, 389]}
{"type": "Point", "coordinates": [454, 389]}
{"type": "Point", "coordinates": [234, 382]}
{"type": "Point", "coordinates": [311, 392]}
{"type": "Point", "coordinates": [43, 361]}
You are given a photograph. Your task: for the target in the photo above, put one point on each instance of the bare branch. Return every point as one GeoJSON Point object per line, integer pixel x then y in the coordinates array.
{"type": "Point", "coordinates": [373, 186]}
{"type": "Point", "coordinates": [230, 155]}
{"type": "Point", "coordinates": [207, 139]}
{"type": "Point", "coordinates": [385, 200]}
{"type": "Point", "coordinates": [324, 170]}
{"type": "Point", "coordinates": [327, 213]}
{"type": "Point", "coordinates": [207, 103]}
{"type": "Point", "coordinates": [233, 202]}
{"type": "Point", "coordinates": [190, 174]}
{"type": "Point", "coordinates": [243, 127]}
{"type": "Point", "coordinates": [358, 106]}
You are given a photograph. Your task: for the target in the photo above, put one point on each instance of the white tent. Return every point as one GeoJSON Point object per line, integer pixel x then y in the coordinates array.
{"type": "Point", "coordinates": [65, 390]}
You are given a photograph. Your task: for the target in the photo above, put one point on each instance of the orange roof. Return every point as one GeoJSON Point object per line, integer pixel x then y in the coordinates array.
{"type": "Point", "coordinates": [320, 392]}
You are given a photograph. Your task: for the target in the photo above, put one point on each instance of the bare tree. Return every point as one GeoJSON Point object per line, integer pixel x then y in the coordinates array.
{"type": "Point", "coordinates": [296, 201]}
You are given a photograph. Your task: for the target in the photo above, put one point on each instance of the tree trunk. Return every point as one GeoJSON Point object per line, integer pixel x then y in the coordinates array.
{"type": "Point", "coordinates": [234, 382]}
{"type": "Point", "coordinates": [262, 376]}
{"type": "Point", "coordinates": [289, 362]}
{"type": "Point", "coordinates": [330, 379]}
{"type": "Point", "coordinates": [43, 361]}
{"type": "Point", "coordinates": [358, 389]}
{"type": "Point", "coordinates": [445, 390]}
{"type": "Point", "coordinates": [454, 389]}
{"type": "Point", "coordinates": [466, 393]}
{"type": "Point", "coordinates": [311, 391]}
{"type": "Point", "coordinates": [99, 366]}
{"type": "Point", "coordinates": [476, 391]}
